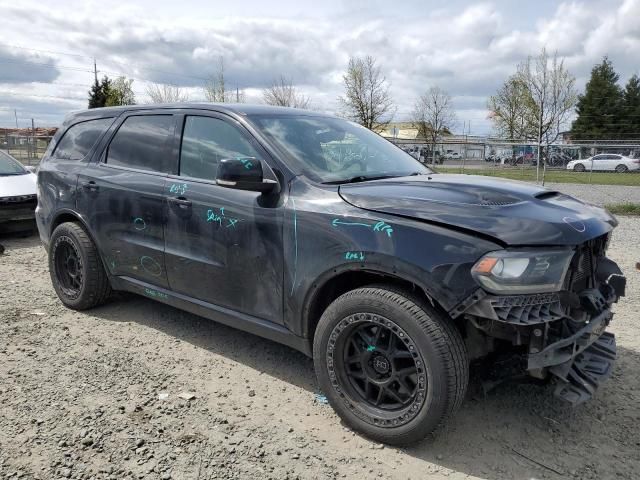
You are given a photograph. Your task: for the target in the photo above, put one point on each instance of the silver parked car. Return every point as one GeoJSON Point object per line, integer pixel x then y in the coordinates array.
{"type": "Point", "coordinates": [605, 162]}
{"type": "Point", "coordinates": [17, 195]}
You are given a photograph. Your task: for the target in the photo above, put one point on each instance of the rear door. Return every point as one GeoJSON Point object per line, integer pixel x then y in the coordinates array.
{"type": "Point", "coordinates": [122, 195]}
{"type": "Point", "coordinates": [223, 246]}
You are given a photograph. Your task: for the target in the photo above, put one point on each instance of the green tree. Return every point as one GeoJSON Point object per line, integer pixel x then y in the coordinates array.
{"type": "Point", "coordinates": [630, 123]}
{"type": "Point", "coordinates": [599, 109]}
{"type": "Point", "coordinates": [511, 109]}
{"type": "Point", "coordinates": [121, 92]}
{"type": "Point", "coordinates": [99, 93]}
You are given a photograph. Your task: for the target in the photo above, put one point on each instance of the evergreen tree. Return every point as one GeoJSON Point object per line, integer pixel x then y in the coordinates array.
{"type": "Point", "coordinates": [599, 109]}
{"type": "Point", "coordinates": [99, 93]}
{"type": "Point", "coordinates": [630, 122]}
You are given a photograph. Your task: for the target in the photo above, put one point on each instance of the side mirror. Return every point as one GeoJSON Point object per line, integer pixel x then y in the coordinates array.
{"type": "Point", "coordinates": [244, 173]}
{"type": "Point", "coordinates": [30, 168]}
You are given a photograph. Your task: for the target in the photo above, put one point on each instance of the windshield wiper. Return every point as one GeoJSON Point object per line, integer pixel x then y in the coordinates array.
{"type": "Point", "coordinates": [360, 178]}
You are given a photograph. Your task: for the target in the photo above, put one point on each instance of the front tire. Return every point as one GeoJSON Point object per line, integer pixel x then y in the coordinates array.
{"type": "Point", "coordinates": [392, 366]}
{"type": "Point", "coordinates": [578, 168]}
{"type": "Point", "coordinates": [76, 269]}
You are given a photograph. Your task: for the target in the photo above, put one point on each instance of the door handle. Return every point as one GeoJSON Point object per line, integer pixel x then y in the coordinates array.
{"type": "Point", "coordinates": [91, 186]}
{"type": "Point", "coordinates": [182, 202]}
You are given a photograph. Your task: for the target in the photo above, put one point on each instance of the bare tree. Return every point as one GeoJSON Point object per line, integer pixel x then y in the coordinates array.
{"type": "Point", "coordinates": [510, 110]}
{"type": "Point", "coordinates": [282, 93]}
{"type": "Point", "coordinates": [433, 115]}
{"type": "Point", "coordinates": [367, 99]}
{"type": "Point", "coordinates": [216, 89]}
{"type": "Point", "coordinates": [551, 90]}
{"type": "Point", "coordinates": [163, 93]}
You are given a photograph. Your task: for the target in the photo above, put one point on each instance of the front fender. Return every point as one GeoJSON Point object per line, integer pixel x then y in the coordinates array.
{"type": "Point", "coordinates": [326, 237]}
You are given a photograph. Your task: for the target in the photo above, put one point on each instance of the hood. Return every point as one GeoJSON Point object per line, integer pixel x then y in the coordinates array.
{"type": "Point", "coordinates": [514, 213]}
{"type": "Point", "coordinates": [14, 185]}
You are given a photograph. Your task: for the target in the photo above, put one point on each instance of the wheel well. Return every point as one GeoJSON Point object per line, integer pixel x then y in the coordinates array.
{"type": "Point", "coordinates": [346, 282]}
{"type": "Point", "coordinates": [60, 219]}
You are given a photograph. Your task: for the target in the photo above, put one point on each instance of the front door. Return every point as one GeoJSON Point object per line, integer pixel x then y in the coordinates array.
{"type": "Point", "coordinates": [122, 196]}
{"type": "Point", "coordinates": [222, 246]}
{"type": "Point", "coordinates": [599, 162]}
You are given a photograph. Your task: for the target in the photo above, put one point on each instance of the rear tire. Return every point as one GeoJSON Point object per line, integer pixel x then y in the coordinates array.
{"type": "Point", "coordinates": [621, 168]}
{"type": "Point", "coordinates": [392, 367]}
{"type": "Point", "coordinates": [579, 168]}
{"type": "Point", "coordinates": [76, 269]}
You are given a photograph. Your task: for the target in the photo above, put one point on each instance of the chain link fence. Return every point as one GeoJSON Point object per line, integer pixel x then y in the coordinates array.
{"type": "Point", "coordinates": [28, 149]}
{"type": "Point", "coordinates": [593, 162]}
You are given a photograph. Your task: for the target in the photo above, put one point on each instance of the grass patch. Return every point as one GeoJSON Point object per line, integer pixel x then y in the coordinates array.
{"type": "Point", "coordinates": [623, 208]}
{"type": "Point", "coordinates": [528, 174]}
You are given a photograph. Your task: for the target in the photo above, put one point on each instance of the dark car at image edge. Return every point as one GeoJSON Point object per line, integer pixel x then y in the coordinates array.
{"type": "Point", "coordinates": [317, 233]}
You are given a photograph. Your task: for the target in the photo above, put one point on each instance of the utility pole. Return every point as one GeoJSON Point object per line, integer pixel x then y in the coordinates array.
{"type": "Point", "coordinates": [95, 70]}
{"type": "Point", "coordinates": [34, 145]}
{"type": "Point", "coordinates": [237, 95]}
{"type": "Point", "coordinates": [15, 112]}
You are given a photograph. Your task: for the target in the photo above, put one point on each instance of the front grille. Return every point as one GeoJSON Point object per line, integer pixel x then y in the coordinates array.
{"type": "Point", "coordinates": [528, 309]}
{"type": "Point", "coordinates": [19, 201]}
{"type": "Point", "coordinates": [17, 208]}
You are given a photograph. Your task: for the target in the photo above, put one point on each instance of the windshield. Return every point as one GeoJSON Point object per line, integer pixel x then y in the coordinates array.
{"type": "Point", "coordinates": [332, 150]}
{"type": "Point", "coordinates": [10, 166]}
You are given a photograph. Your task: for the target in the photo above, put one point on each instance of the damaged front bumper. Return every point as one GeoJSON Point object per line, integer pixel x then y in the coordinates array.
{"type": "Point", "coordinates": [557, 336]}
{"type": "Point", "coordinates": [580, 362]}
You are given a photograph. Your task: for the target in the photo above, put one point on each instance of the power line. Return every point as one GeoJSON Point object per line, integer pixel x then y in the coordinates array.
{"type": "Point", "coordinates": [44, 51]}
{"type": "Point", "coordinates": [42, 64]}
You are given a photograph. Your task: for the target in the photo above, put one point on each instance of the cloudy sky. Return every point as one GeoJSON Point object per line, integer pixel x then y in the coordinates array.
{"type": "Point", "coordinates": [467, 48]}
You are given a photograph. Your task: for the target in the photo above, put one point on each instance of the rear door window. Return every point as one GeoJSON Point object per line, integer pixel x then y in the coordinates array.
{"type": "Point", "coordinates": [206, 141]}
{"type": "Point", "coordinates": [79, 138]}
{"type": "Point", "coordinates": [143, 142]}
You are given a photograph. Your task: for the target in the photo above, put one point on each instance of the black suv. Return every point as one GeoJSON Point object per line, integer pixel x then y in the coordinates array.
{"type": "Point", "coordinates": [315, 232]}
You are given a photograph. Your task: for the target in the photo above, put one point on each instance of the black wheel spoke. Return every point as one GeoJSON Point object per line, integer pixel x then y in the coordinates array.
{"type": "Point", "coordinates": [404, 386]}
{"type": "Point", "coordinates": [402, 354]}
{"type": "Point", "coordinates": [394, 395]}
{"type": "Point", "coordinates": [405, 372]}
{"type": "Point", "coordinates": [356, 346]}
{"type": "Point", "coordinates": [376, 339]}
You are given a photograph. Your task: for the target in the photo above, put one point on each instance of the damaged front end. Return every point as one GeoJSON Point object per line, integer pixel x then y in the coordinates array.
{"type": "Point", "coordinates": [559, 334]}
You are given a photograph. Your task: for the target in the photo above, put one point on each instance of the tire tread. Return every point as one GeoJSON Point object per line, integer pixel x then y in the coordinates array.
{"type": "Point", "coordinates": [97, 288]}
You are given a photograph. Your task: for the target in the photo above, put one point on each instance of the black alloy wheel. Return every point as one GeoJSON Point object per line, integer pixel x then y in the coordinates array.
{"type": "Point", "coordinates": [68, 267]}
{"type": "Point", "coordinates": [381, 368]}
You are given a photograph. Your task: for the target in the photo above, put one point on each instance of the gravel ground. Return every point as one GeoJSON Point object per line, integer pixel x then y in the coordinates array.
{"type": "Point", "coordinates": [599, 194]}
{"type": "Point", "coordinates": [136, 389]}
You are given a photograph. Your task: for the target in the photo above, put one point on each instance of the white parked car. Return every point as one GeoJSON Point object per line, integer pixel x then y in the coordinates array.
{"type": "Point", "coordinates": [18, 198]}
{"type": "Point", "coordinates": [605, 162]}
{"type": "Point", "coordinates": [452, 156]}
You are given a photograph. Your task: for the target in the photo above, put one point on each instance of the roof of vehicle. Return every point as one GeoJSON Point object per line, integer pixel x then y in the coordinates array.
{"type": "Point", "coordinates": [233, 108]}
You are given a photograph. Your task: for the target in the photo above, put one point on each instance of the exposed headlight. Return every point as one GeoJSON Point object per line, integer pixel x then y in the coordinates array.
{"type": "Point", "coordinates": [522, 271]}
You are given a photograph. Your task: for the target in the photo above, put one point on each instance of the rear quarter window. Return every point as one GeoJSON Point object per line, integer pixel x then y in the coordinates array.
{"type": "Point", "coordinates": [79, 138]}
